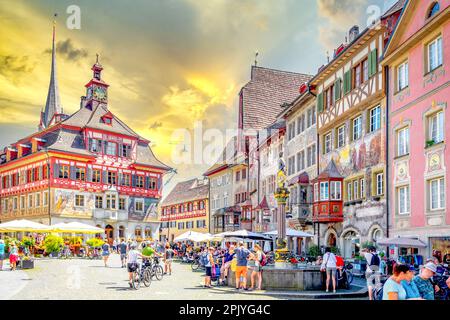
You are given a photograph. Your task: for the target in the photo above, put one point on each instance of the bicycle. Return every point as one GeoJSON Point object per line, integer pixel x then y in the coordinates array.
{"type": "Point", "coordinates": [156, 270]}
{"type": "Point", "coordinates": [141, 274]}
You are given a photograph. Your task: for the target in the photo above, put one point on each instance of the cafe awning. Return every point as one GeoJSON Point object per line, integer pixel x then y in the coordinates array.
{"type": "Point", "coordinates": [75, 227]}
{"type": "Point", "coordinates": [291, 233]}
{"type": "Point", "coordinates": [402, 242]}
{"type": "Point", "coordinates": [23, 225]}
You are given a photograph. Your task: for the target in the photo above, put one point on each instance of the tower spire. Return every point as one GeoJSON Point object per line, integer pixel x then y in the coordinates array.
{"type": "Point", "coordinates": [53, 103]}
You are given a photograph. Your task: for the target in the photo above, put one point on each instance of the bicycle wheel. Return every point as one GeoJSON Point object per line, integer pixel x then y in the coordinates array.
{"type": "Point", "coordinates": [136, 283]}
{"type": "Point", "coordinates": [195, 265]}
{"type": "Point", "coordinates": [158, 272]}
{"type": "Point", "coordinates": [147, 277]}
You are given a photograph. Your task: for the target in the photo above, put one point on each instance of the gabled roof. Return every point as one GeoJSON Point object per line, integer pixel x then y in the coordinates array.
{"type": "Point", "coordinates": [84, 117]}
{"type": "Point", "coordinates": [225, 159]}
{"type": "Point", "coordinates": [264, 94]}
{"type": "Point", "coordinates": [263, 205]}
{"type": "Point", "coordinates": [187, 191]}
{"type": "Point", "coordinates": [396, 7]}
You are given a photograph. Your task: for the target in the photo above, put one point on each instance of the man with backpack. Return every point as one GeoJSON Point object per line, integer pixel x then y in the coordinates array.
{"type": "Point", "coordinates": [372, 269]}
{"type": "Point", "coordinates": [242, 256]}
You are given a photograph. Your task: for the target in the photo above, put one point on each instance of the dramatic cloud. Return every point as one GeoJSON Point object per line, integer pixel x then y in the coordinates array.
{"type": "Point", "coordinates": [15, 67]}
{"type": "Point", "coordinates": [67, 50]}
{"type": "Point", "coordinates": [155, 125]}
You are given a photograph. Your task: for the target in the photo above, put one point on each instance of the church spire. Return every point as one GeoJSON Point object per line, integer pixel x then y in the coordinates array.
{"type": "Point", "coordinates": [53, 103]}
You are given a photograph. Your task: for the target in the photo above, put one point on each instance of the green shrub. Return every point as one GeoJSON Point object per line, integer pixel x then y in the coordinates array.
{"type": "Point", "coordinates": [8, 241]}
{"type": "Point", "coordinates": [314, 251]}
{"type": "Point", "coordinates": [95, 242]}
{"type": "Point", "coordinates": [75, 240]}
{"type": "Point", "coordinates": [28, 242]}
{"type": "Point", "coordinates": [335, 250]}
{"type": "Point", "coordinates": [367, 244]}
{"type": "Point", "coordinates": [53, 243]}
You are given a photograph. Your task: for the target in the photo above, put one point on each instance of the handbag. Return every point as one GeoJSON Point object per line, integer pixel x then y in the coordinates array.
{"type": "Point", "coordinates": [325, 268]}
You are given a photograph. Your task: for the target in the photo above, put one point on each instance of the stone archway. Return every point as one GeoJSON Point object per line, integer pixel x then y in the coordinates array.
{"type": "Point", "coordinates": [351, 242]}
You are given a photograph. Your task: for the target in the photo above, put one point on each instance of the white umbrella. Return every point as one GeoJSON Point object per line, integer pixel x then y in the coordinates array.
{"type": "Point", "coordinates": [291, 233]}
{"type": "Point", "coordinates": [402, 242]}
{"type": "Point", "coordinates": [244, 234]}
{"type": "Point", "coordinates": [188, 236]}
{"type": "Point", "coordinates": [23, 226]}
{"type": "Point", "coordinates": [75, 227]}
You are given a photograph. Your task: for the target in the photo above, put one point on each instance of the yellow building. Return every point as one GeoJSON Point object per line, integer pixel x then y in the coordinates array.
{"type": "Point", "coordinates": [186, 208]}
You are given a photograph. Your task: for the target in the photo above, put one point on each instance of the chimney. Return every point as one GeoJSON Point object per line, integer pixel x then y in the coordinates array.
{"type": "Point", "coordinates": [353, 33]}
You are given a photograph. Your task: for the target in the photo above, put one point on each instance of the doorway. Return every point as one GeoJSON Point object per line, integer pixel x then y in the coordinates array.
{"type": "Point", "coordinates": [109, 232]}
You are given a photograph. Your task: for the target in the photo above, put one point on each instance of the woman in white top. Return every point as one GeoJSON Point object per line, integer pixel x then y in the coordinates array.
{"type": "Point", "coordinates": [329, 266]}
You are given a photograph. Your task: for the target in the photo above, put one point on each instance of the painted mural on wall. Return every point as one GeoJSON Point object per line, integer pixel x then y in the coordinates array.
{"type": "Point", "coordinates": [150, 211]}
{"type": "Point", "coordinates": [65, 203]}
{"type": "Point", "coordinates": [355, 157]}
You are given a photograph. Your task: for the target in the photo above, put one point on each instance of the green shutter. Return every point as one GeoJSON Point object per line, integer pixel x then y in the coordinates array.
{"type": "Point", "coordinates": [347, 81]}
{"type": "Point", "coordinates": [320, 102]}
{"type": "Point", "coordinates": [373, 62]}
{"type": "Point", "coordinates": [337, 89]}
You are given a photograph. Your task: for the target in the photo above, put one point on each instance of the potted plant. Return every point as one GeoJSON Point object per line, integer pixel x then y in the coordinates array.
{"type": "Point", "coordinates": [75, 244]}
{"type": "Point", "coordinates": [53, 244]}
{"type": "Point", "coordinates": [27, 262]}
{"type": "Point", "coordinates": [28, 244]}
{"type": "Point", "coordinates": [429, 143]}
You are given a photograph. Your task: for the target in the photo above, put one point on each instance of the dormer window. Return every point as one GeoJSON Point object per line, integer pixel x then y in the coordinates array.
{"type": "Point", "coordinates": [434, 8]}
{"type": "Point", "coordinates": [107, 120]}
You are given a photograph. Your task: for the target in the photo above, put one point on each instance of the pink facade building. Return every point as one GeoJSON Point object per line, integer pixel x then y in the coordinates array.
{"type": "Point", "coordinates": [417, 60]}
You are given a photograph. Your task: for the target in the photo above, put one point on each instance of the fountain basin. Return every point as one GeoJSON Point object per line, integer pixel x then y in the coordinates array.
{"type": "Point", "coordinates": [286, 278]}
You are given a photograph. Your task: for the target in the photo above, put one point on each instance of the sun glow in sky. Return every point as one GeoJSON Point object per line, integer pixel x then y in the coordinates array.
{"type": "Point", "coordinates": [169, 63]}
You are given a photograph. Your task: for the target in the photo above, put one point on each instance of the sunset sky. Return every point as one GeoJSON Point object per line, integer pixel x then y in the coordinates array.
{"type": "Point", "coordinates": [169, 63]}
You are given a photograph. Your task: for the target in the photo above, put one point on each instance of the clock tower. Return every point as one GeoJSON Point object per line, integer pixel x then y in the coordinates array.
{"type": "Point", "coordinates": [96, 89]}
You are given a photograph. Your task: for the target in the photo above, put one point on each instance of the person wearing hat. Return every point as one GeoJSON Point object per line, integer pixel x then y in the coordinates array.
{"type": "Point", "coordinates": [423, 281]}
{"type": "Point", "coordinates": [412, 293]}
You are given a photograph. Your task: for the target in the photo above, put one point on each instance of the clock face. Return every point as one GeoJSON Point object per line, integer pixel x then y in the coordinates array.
{"type": "Point", "coordinates": [100, 93]}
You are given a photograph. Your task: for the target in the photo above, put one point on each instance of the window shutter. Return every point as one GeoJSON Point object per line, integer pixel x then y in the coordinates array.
{"type": "Point", "coordinates": [131, 205]}
{"type": "Point", "coordinates": [320, 102]}
{"type": "Point", "coordinates": [373, 62]}
{"type": "Point", "coordinates": [120, 179]}
{"type": "Point", "coordinates": [147, 183]}
{"type": "Point", "coordinates": [337, 89]}
{"type": "Point", "coordinates": [89, 174]}
{"type": "Point", "coordinates": [40, 174]}
{"type": "Point", "coordinates": [347, 81]}
{"type": "Point", "coordinates": [105, 176]}
{"type": "Point", "coordinates": [55, 172]}
{"type": "Point", "coordinates": [133, 180]}
{"type": "Point", "coordinates": [72, 173]}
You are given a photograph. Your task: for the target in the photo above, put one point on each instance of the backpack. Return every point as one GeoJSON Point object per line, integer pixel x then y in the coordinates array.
{"type": "Point", "coordinates": [375, 260]}
{"type": "Point", "coordinates": [263, 261]}
{"type": "Point", "coordinates": [204, 259]}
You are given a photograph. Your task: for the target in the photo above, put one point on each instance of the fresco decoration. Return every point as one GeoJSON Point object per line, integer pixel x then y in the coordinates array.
{"type": "Point", "coordinates": [65, 203]}
{"type": "Point", "coordinates": [434, 161]}
{"type": "Point", "coordinates": [150, 210]}
{"type": "Point", "coordinates": [401, 170]}
{"type": "Point", "coordinates": [353, 158]}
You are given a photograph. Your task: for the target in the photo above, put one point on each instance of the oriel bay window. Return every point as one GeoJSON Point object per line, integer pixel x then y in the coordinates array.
{"type": "Point", "coordinates": [335, 190]}
{"type": "Point", "coordinates": [324, 191]}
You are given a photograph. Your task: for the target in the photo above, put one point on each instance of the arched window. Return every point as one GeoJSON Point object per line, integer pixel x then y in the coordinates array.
{"type": "Point", "coordinates": [434, 8]}
{"type": "Point", "coordinates": [376, 235]}
{"type": "Point", "coordinates": [148, 233]}
{"type": "Point", "coordinates": [138, 232]}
